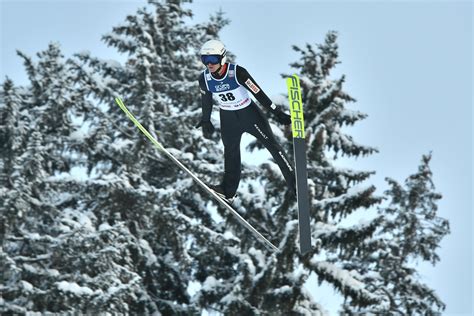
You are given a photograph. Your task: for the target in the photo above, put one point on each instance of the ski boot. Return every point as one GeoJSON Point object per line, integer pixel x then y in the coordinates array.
{"type": "Point", "coordinates": [219, 190]}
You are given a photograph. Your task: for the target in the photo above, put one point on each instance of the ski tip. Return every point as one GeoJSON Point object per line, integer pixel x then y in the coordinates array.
{"type": "Point", "coordinates": [293, 78]}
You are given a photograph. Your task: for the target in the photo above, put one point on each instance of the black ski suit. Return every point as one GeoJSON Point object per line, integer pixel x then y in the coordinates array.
{"type": "Point", "coordinates": [239, 114]}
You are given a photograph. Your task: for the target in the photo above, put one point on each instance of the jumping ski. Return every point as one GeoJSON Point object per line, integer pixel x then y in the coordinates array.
{"type": "Point", "coordinates": [299, 149]}
{"type": "Point", "coordinates": [160, 147]}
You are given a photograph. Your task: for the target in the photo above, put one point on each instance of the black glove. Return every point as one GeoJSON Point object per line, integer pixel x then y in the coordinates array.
{"type": "Point", "coordinates": [207, 128]}
{"type": "Point", "coordinates": [282, 117]}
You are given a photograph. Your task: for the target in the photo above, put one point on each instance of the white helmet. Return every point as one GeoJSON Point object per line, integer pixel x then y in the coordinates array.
{"type": "Point", "coordinates": [214, 47]}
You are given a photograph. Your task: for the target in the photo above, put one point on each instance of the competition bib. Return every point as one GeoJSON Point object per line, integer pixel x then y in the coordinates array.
{"type": "Point", "coordinates": [228, 92]}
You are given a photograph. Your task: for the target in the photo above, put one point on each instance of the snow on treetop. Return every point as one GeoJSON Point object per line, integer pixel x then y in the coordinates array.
{"type": "Point", "coordinates": [73, 287]}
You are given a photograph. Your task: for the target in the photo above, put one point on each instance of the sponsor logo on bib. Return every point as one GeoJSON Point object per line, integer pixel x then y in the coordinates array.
{"type": "Point", "coordinates": [222, 87]}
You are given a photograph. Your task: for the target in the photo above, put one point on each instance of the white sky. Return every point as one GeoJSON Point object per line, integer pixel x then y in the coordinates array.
{"type": "Point", "coordinates": [408, 64]}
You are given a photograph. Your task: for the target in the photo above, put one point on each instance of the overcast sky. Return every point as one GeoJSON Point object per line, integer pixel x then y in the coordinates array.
{"type": "Point", "coordinates": [408, 64]}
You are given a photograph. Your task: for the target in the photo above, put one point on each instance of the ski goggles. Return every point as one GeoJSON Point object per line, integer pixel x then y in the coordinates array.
{"type": "Point", "coordinates": [211, 59]}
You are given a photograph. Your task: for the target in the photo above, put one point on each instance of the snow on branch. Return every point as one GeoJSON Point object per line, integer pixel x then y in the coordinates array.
{"type": "Point", "coordinates": [343, 280]}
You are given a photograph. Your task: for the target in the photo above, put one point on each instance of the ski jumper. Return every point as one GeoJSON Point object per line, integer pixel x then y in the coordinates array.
{"type": "Point", "coordinates": [239, 114]}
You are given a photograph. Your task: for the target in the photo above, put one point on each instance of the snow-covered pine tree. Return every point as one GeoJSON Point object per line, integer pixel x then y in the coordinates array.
{"type": "Point", "coordinates": [13, 135]}
{"type": "Point", "coordinates": [409, 232]}
{"type": "Point", "coordinates": [51, 252]}
{"type": "Point", "coordinates": [113, 242]}
{"type": "Point", "coordinates": [27, 213]}
{"type": "Point", "coordinates": [139, 187]}
{"type": "Point", "coordinates": [276, 284]}
{"type": "Point", "coordinates": [336, 193]}
{"type": "Point", "coordinates": [220, 264]}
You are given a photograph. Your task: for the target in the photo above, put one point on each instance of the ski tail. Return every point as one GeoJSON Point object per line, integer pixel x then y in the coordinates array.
{"type": "Point", "coordinates": [159, 146]}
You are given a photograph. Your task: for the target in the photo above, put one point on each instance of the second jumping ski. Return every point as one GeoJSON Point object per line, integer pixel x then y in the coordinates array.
{"type": "Point", "coordinates": [160, 147]}
{"type": "Point", "coordinates": [299, 148]}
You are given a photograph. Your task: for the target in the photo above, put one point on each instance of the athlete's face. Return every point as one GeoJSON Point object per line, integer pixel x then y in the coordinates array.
{"type": "Point", "coordinates": [212, 67]}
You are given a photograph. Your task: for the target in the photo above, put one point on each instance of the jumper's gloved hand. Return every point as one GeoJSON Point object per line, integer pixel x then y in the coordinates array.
{"type": "Point", "coordinates": [282, 117]}
{"type": "Point", "coordinates": [207, 128]}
